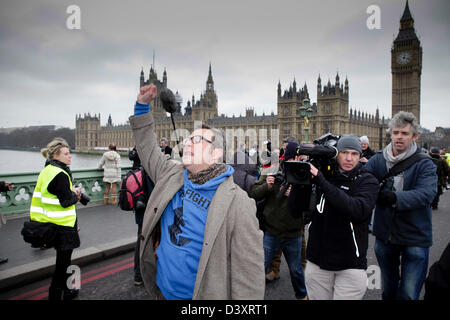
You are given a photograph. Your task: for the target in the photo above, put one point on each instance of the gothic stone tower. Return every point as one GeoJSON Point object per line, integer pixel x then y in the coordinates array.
{"type": "Point", "coordinates": [288, 104]}
{"type": "Point", "coordinates": [332, 108]}
{"type": "Point", "coordinates": [406, 67]}
{"type": "Point", "coordinates": [206, 107]}
{"type": "Point", "coordinates": [157, 109]}
{"type": "Point", "coordinates": [87, 132]}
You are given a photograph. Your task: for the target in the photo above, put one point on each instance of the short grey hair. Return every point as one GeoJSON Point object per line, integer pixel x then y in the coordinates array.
{"type": "Point", "coordinates": [402, 119]}
{"type": "Point", "coordinates": [164, 140]}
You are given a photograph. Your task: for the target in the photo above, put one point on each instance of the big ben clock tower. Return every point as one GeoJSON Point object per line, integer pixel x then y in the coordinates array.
{"type": "Point", "coordinates": [406, 67]}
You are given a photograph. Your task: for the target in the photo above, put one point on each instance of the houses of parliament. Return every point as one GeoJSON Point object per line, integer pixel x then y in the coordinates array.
{"type": "Point", "coordinates": [330, 113]}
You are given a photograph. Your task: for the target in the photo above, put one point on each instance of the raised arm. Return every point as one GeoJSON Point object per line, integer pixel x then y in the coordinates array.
{"type": "Point", "coordinates": [143, 125]}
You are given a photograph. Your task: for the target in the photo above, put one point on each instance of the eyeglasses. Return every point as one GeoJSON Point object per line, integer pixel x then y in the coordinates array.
{"type": "Point", "coordinates": [196, 139]}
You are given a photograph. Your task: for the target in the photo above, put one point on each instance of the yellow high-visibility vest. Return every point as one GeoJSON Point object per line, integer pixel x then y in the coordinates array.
{"type": "Point", "coordinates": [45, 206]}
{"type": "Point", "coordinates": [447, 158]}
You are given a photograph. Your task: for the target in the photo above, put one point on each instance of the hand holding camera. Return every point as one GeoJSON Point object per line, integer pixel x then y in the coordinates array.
{"type": "Point", "coordinates": [82, 197]}
{"type": "Point", "coordinates": [314, 171]}
{"type": "Point", "coordinates": [270, 180]}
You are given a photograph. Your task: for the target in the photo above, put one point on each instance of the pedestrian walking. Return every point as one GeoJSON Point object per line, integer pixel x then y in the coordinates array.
{"type": "Point", "coordinates": [442, 172]}
{"type": "Point", "coordinates": [338, 233]}
{"type": "Point", "coordinates": [110, 163]}
{"type": "Point", "coordinates": [283, 227]}
{"type": "Point", "coordinates": [402, 222]}
{"type": "Point", "coordinates": [53, 201]}
{"type": "Point", "coordinates": [200, 237]}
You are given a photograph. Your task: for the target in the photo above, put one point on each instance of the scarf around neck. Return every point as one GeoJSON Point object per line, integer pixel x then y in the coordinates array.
{"type": "Point", "coordinates": [212, 171]}
{"type": "Point", "coordinates": [391, 160]}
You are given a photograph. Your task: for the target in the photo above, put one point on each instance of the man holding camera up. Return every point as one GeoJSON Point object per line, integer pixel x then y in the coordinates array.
{"type": "Point", "coordinates": [338, 234]}
{"type": "Point", "coordinates": [283, 226]}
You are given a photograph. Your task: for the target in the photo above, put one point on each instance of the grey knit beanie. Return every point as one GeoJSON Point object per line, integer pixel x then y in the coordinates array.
{"type": "Point", "coordinates": [349, 141]}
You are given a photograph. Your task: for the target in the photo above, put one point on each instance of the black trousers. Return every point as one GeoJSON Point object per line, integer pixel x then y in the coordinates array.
{"type": "Point", "coordinates": [60, 276]}
{"type": "Point", "coordinates": [137, 267]}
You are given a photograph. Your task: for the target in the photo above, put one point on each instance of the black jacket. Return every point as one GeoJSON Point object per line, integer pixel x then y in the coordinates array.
{"type": "Point", "coordinates": [338, 237]}
{"type": "Point", "coordinates": [3, 187]}
{"type": "Point", "coordinates": [67, 238]}
{"type": "Point", "coordinates": [279, 218]}
{"type": "Point", "coordinates": [244, 171]}
{"type": "Point", "coordinates": [133, 156]}
{"type": "Point", "coordinates": [368, 153]}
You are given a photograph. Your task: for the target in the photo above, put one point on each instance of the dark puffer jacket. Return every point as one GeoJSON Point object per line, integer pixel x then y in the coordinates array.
{"type": "Point", "coordinates": [338, 235]}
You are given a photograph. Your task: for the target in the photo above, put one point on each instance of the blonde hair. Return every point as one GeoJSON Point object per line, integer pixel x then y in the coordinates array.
{"type": "Point", "coordinates": [54, 147]}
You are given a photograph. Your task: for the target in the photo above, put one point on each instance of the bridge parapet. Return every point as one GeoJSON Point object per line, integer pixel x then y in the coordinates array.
{"type": "Point", "coordinates": [19, 199]}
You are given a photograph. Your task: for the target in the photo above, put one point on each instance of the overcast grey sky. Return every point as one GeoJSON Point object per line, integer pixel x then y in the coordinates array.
{"type": "Point", "coordinates": [49, 73]}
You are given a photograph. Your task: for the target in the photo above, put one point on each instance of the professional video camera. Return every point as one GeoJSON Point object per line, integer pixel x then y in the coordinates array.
{"type": "Point", "coordinates": [321, 154]}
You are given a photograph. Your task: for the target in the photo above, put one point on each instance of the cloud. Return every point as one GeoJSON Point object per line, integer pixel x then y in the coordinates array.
{"type": "Point", "coordinates": [52, 73]}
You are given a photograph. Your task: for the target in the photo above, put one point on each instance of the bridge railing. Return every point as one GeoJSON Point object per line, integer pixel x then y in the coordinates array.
{"type": "Point", "coordinates": [18, 200]}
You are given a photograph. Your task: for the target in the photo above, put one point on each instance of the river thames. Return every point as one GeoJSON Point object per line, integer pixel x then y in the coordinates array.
{"type": "Point", "coordinates": [12, 161]}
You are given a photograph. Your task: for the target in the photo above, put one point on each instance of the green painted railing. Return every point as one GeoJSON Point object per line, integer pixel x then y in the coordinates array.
{"type": "Point", "coordinates": [18, 200]}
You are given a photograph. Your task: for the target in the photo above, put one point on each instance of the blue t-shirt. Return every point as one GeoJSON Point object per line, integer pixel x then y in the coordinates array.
{"type": "Point", "coordinates": [182, 230]}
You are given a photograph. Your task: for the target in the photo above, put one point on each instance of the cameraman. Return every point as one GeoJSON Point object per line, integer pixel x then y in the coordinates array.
{"type": "Point", "coordinates": [338, 234]}
{"type": "Point", "coordinates": [283, 227]}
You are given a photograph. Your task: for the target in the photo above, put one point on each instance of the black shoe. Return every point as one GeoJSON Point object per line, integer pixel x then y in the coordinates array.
{"type": "Point", "coordinates": [3, 260]}
{"type": "Point", "coordinates": [55, 294]}
{"type": "Point", "coordinates": [70, 294]}
{"type": "Point", "coordinates": [138, 280]}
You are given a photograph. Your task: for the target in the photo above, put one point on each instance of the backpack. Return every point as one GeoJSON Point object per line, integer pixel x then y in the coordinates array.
{"type": "Point", "coordinates": [132, 190]}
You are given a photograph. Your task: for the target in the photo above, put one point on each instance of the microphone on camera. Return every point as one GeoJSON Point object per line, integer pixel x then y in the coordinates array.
{"type": "Point", "coordinates": [170, 105]}
{"type": "Point", "coordinates": [168, 100]}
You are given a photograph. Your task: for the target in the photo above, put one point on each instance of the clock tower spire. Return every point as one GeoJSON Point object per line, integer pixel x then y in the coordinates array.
{"type": "Point", "coordinates": [406, 67]}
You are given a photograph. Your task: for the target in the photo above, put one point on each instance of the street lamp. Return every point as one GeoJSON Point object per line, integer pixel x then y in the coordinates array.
{"type": "Point", "coordinates": [305, 113]}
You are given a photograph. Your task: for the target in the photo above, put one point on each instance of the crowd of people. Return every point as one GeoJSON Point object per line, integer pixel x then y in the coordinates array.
{"type": "Point", "coordinates": [225, 253]}
{"type": "Point", "coordinates": [209, 230]}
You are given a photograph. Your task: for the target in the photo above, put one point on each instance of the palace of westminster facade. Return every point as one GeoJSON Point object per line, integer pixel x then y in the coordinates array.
{"type": "Point", "coordinates": [330, 113]}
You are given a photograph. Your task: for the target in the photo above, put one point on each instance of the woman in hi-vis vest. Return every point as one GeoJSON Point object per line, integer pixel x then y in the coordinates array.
{"type": "Point", "coordinates": [53, 201]}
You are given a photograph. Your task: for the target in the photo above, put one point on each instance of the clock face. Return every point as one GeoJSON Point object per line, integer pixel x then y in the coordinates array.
{"type": "Point", "coordinates": [403, 57]}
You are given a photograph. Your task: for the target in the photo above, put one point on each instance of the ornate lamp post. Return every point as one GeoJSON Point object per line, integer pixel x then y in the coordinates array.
{"type": "Point", "coordinates": [305, 113]}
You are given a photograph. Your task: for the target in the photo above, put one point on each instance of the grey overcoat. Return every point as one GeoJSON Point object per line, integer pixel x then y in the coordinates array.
{"type": "Point", "coordinates": [232, 260]}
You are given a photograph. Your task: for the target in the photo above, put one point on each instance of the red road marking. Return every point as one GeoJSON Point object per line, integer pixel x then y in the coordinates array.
{"type": "Point", "coordinates": [107, 273]}
{"type": "Point", "coordinates": [99, 276]}
{"type": "Point", "coordinates": [29, 293]}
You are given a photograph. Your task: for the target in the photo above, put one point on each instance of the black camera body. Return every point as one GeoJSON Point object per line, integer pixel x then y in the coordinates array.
{"type": "Point", "coordinates": [322, 155]}
{"type": "Point", "coordinates": [84, 199]}
{"type": "Point", "coordinates": [298, 172]}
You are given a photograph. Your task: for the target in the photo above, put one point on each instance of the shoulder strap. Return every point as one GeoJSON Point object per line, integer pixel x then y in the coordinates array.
{"type": "Point", "coordinates": [405, 164]}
